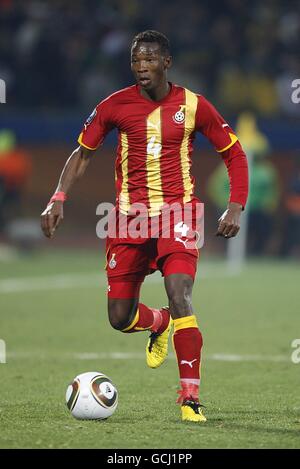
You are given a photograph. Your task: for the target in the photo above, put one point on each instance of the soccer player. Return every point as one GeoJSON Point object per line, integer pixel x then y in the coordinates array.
{"type": "Point", "coordinates": [156, 121]}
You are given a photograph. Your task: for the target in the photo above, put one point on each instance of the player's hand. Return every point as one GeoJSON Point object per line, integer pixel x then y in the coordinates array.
{"type": "Point", "coordinates": [51, 218]}
{"type": "Point", "coordinates": [229, 222]}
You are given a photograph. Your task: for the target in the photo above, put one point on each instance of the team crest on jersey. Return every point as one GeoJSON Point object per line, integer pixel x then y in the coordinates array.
{"type": "Point", "coordinates": [179, 116]}
{"type": "Point", "coordinates": [90, 118]}
{"type": "Point", "coordinates": [112, 263]}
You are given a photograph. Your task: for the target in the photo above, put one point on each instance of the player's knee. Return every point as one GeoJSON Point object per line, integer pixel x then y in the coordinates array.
{"type": "Point", "coordinates": [120, 316]}
{"type": "Point", "coordinates": [179, 286]}
{"type": "Point", "coordinates": [118, 321]}
{"type": "Point", "coordinates": [180, 298]}
{"type": "Point", "coordinates": [179, 290]}
{"type": "Point", "coordinates": [181, 303]}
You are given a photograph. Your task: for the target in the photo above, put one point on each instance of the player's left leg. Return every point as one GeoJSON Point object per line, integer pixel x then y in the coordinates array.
{"type": "Point", "coordinates": [187, 339]}
{"type": "Point", "coordinates": [126, 266]}
{"type": "Point", "coordinates": [128, 315]}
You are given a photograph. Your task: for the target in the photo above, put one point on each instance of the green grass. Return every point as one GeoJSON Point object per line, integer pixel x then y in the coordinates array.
{"type": "Point", "coordinates": [251, 403]}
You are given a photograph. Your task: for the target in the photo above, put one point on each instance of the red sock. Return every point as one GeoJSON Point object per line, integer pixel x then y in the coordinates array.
{"type": "Point", "coordinates": [187, 340]}
{"type": "Point", "coordinates": [155, 320]}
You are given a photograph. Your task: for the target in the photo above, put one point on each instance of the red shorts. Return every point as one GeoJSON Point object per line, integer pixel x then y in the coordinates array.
{"type": "Point", "coordinates": [168, 247]}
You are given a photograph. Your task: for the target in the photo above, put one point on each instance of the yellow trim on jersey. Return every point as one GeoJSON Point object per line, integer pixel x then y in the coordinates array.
{"type": "Point", "coordinates": [133, 323]}
{"type": "Point", "coordinates": [106, 258]}
{"type": "Point", "coordinates": [154, 147]}
{"type": "Point", "coordinates": [79, 140]}
{"type": "Point", "coordinates": [191, 103]}
{"type": "Point", "coordinates": [124, 201]}
{"type": "Point", "coordinates": [233, 139]}
{"type": "Point", "coordinates": [185, 322]}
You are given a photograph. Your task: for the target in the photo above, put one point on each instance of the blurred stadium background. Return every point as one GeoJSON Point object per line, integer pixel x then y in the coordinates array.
{"type": "Point", "coordinates": [58, 60]}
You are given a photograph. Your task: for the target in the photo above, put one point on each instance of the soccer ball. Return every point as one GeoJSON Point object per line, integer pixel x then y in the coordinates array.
{"type": "Point", "coordinates": [92, 396]}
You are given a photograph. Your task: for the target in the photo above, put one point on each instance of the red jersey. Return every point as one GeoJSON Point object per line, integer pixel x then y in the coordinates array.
{"type": "Point", "coordinates": [153, 164]}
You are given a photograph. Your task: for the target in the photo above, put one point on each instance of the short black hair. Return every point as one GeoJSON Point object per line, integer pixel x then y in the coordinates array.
{"type": "Point", "coordinates": [153, 36]}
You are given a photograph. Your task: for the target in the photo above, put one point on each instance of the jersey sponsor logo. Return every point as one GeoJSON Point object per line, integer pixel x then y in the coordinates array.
{"type": "Point", "coordinates": [179, 116]}
{"type": "Point", "coordinates": [112, 263]}
{"type": "Point", "coordinates": [90, 119]}
{"type": "Point", "coordinates": [186, 362]}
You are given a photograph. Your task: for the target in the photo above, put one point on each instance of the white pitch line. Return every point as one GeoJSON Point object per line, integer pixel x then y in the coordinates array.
{"type": "Point", "coordinates": [222, 357]}
{"type": "Point", "coordinates": [228, 357]}
{"type": "Point", "coordinates": [51, 282]}
{"type": "Point", "coordinates": [77, 280]}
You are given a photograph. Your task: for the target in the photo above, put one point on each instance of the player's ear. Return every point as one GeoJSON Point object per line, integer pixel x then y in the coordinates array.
{"type": "Point", "coordinates": [168, 62]}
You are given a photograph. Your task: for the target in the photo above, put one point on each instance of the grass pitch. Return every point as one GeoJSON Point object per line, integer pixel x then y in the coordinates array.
{"type": "Point", "coordinates": [54, 322]}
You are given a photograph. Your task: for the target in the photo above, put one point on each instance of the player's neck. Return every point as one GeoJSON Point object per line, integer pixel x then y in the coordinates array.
{"type": "Point", "coordinates": [158, 93]}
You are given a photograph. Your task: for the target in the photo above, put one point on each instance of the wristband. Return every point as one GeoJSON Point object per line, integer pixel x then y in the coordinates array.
{"type": "Point", "coordinates": [61, 196]}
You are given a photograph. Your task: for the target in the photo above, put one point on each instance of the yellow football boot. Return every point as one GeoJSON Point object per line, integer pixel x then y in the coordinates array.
{"type": "Point", "coordinates": [191, 411]}
{"type": "Point", "coordinates": [157, 347]}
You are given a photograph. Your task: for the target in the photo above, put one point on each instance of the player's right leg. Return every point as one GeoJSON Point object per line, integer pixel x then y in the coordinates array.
{"type": "Point", "coordinates": [177, 256]}
{"type": "Point", "coordinates": [187, 340]}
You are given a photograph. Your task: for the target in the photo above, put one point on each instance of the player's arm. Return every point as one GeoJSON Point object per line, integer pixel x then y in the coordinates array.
{"type": "Point", "coordinates": [74, 168]}
{"type": "Point", "coordinates": [94, 130]}
{"type": "Point", "coordinates": [237, 168]}
{"type": "Point", "coordinates": [223, 138]}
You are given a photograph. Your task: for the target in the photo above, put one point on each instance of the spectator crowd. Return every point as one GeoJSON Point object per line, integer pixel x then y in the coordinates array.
{"type": "Point", "coordinates": [63, 54]}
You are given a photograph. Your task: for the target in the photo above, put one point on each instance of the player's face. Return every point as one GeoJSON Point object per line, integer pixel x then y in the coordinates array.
{"type": "Point", "coordinates": [149, 65]}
